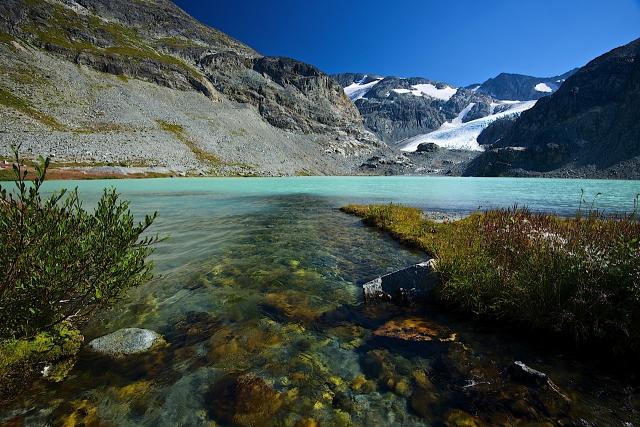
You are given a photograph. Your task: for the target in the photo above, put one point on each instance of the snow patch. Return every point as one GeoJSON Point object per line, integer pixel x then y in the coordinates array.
{"type": "Point", "coordinates": [430, 90]}
{"type": "Point", "coordinates": [543, 87]}
{"type": "Point", "coordinates": [357, 90]}
{"type": "Point", "coordinates": [463, 136]}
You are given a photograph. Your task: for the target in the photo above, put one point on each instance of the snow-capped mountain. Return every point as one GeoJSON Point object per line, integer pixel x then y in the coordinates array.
{"type": "Point", "coordinates": [408, 111]}
{"type": "Point", "coordinates": [398, 108]}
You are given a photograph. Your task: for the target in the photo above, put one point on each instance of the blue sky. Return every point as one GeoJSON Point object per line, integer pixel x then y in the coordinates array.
{"type": "Point", "coordinates": [460, 42]}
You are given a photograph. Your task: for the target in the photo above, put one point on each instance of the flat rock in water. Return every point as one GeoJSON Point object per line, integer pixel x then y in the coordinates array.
{"type": "Point", "coordinates": [405, 287]}
{"type": "Point", "coordinates": [126, 341]}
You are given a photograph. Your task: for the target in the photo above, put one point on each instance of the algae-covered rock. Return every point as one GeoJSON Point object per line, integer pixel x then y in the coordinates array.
{"type": "Point", "coordinates": [415, 329]}
{"type": "Point", "coordinates": [58, 371]}
{"type": "Point", "coordinates": [307, 422]}
{"type": "Point", "coordinates": [423, 402]}
{"type": "Point", "coordinates": [127, 341]}
{"type": "Point", "coordinates": [458, 418]}
{"type": "Point", "coordinates": [77, 413]}
{"type": "Point", "coordinates": [361, 384]}
{"type": "Point", "coordinates": [292, 305]}
{"type": "Point", "coordinates": [243, 400]}
{"type": "Point", "coordinates": [235, 348]}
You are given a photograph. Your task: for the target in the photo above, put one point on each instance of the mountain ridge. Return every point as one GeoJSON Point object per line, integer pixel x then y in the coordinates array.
{"type": "Point", "coordinates": [158, 43]}
{"type": "Point", "coordinates": [591, 125]}
{"type": "Point", "coordinates": [521, 87]}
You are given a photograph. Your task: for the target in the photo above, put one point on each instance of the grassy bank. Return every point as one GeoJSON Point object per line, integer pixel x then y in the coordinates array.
{"type": "Point", "coordinates": [578, 276]}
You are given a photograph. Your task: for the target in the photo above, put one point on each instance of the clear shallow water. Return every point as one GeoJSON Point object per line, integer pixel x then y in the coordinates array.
{"type": "Point", "coordinates": [257, 292]}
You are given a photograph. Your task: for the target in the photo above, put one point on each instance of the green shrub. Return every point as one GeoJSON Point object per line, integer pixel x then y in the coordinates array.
{"type": "Point", "coordinates": [578, 276]}
{"type": "Point", "coordinates": [59, 262]}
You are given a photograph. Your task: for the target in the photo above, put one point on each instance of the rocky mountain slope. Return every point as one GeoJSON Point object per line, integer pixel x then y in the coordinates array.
{"type": "Point", "coordinates": [589, 127]}
{"type": "Point", "coordinates": [141, 83]}
{"type": "Point", "coordinates": [519, 87]}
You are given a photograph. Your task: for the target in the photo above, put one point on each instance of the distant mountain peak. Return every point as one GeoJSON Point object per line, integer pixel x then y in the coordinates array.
{"type": "Point", "coordinates": [521, 87]}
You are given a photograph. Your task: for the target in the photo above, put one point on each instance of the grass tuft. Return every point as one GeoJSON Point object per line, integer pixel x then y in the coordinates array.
{"type": "Point", "coordinates": [7, 39]}
{"type": "Point", "coordinates": [12, 101]}
{"type": "Point", "coordinates": [179, 132]}
{"type": "Point", "coordinates": [578, 276]}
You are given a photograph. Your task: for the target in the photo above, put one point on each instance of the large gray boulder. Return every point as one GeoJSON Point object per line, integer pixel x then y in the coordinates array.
{"type": "Point", "coordinates": [126, 342]}
{"type": "Point", "coordinates": [405, 287]}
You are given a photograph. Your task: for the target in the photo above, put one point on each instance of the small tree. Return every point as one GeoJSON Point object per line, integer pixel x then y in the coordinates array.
{"type": "Point", "coordinates": [59, 262]}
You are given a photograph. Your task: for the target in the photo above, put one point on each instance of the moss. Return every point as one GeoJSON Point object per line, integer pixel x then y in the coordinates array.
{"type": "Point", "coordinates": [103, 127]}
{"type": "Point", "coordinates": [21, 360]}
{"type": "Point", "coordinates": [16, 72]}
{"type": "Point", "coordinates": [141, 54]}
{"type": "Point", "coordinates": [179, 132]}
{"type": "Point", "coordinates": [177, 43]}
{"type": "Point", "coordinates": [25, 76]}
{"type": "Point", "coordinates": [119, 34]}
{"type": "Point", "coordinates": [12, 101]}
{"type": "Point", "coordinates": [123, 78]}
{"type": "Point", "coordinates": [7, 39]}
{"type": "Point", "coordinates": [238, 132]}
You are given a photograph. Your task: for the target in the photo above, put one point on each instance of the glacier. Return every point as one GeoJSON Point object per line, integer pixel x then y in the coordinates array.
{"type": "Point", "coordinates": [464, 136]}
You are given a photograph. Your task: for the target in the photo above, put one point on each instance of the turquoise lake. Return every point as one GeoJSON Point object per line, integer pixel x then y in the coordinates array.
{"type": "Point", "coordinates": [447, 194]}
{"type": "Point", "coordinates": [257, 291]}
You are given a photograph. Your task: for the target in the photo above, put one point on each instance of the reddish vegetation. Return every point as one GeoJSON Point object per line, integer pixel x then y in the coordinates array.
{"type": "Point", "coordinates": [65, 173]}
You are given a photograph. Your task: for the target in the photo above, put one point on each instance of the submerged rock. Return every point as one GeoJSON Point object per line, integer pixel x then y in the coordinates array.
{"type": "Point", "coordinates": [77, 413]}
{"type": "Point", "coordinates": [126, 341]}
{"type": "Point", "coordinates": [244, 400]}
{"type": "Point", "coordinates": [292, 305]}
{"type": "Point", "coordinates": [415, 329]}
{"type": "Point", "coordinates": [424, 403]}
{"type": "Point", "coordinates": [406, 287]}
{"type": "Point", "coordinates": [458, 418]}
{"type": "Point", "coordinates": [525, 374]}
{"type": "Point", "coordinates": [521, 372]}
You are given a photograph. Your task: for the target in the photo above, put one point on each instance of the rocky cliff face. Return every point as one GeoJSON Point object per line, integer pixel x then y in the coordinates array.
{"type": "Point", "coordinates": [155, 42]}
{"type": "Point", "coordinates": [590, 126]}
{"type": "Point", "coordinates": [519, 87]}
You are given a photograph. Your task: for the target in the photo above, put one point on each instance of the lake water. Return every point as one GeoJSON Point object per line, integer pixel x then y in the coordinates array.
{"type": "Point", "coordinates": [257, 291]}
